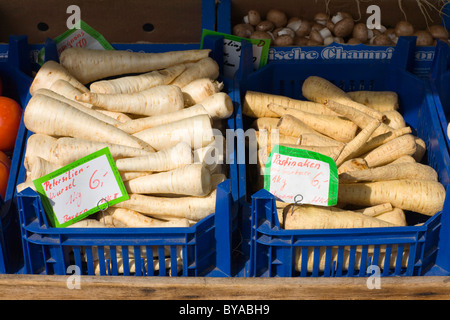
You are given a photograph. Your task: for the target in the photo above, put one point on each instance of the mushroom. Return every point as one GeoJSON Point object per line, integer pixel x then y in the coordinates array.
{"type": "Point", "coordinates": [253, 17]}
{"type": "Point", "coordinates": [391, 34]}
{"type": "Point", "coordinates": [360, 32]}
{"type": "Point", "coordinates": [327, 41]}
{"type": "Point", "coordinates": [265, 25]}
{"type": "Point", "coordinates": [312, 42]}
{"type": "Point", "coordinates": [301, 27]}
{"type": "Point", "coordinates": [321, 18]}
{"type": "Point", "coordinates": [382, 40]}
{"type": "Point", "coordinates": [438, 32]}
{"type": "Point", "coordinates": [316, 37]}
{"type": "Point", "coordinates": [300, 41]}
{"type": "Point", "coordinates": [283, 31]}
{"type": "Point", "coordinates": [243, 30]}
{"type": "Point", "coordinates": [424, 38]}
{"type": "Point", "coordinates": [284, 40]}
{"type": "Point", "coordinates": [353, 41]}
{"type": "Point", "coordinates": [404, 28]}
{"type": "Point", "coordinates": [319, 36]}
{"type": "Point", "coordinates": [344, 27]}
{"type": "Point", "coordinates": [278, 17]}
{"type": "Point", "coordinates": [261, 35]}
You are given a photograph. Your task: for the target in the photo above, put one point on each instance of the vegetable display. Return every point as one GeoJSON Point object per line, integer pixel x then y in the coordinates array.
{"type": "Point", "coordinates": [323, 29]}
{"type": "Point", "coordinates": [378, 165]}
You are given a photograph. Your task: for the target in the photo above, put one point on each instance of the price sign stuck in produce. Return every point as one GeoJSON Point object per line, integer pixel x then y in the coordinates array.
{"type": "Point", "coordinates": [290, 172]}
{"type": "Point", "coordinates": [81, 188]}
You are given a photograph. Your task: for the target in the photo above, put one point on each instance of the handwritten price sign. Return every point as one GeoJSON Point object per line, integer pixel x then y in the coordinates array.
{"type": "Point", "coordinates": [290, 172]}
{"type": "Point", "coordinates": [81, 188]}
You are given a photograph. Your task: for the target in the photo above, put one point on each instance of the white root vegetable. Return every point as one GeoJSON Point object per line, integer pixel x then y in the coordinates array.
{"type": "Point", "coordinates": [204, 68]}
{"type": "Point", "coordinates": [378, 100]}
{"type": "Point", "coordinates": [88, 65]}
{"type": "Point", "coordinates": [136, 83]}
{"type": "Point", "coordinates": [65, 150]}
{"type": "Point", "coordinates": [315, 217]}
{"type": "Point", "coordinates": [425, 197]}
{"type": "Point", "coordinates": [192, 208]}
{"type": "Point", "coordinates": [388, 152]}
{"type": "Point", "coordinates": [193, 179]}
{"type": "Point", "coordinates": [199, 89]}
{"type": "Point", "coordinates": [153, 101]}
{"type": "Point", "coordinates": [133, 219]}
{"type": "Point", "coordinates": [38, 145]}
{"type": "Point", "coordinates": [197, 131]}
{"type": "Point", "coordinates": [218, 106]}
{"type": "Point", "coordinates": [89, 223]}
{"type": "Point", "coordinates": [41, 167]}
{"type": "Point", "coordinates": [136, 125]}
{"type": "Point", "coordinates": [50, 72]}
{"type": "Point", "coordinates": [320, 90]}
{"type": "Point", "coordinates": [82, 107]}
{"type": "Point", "coordinates": [391, 172]}
{"type": "Point", "coordinates": [163, 160]}
{"type": "Point", "coordinates": [52, 117]}
{"type": "Point", "coordinates": [332, 126]}
{"type": "Point", "coordinates": [67, 90]}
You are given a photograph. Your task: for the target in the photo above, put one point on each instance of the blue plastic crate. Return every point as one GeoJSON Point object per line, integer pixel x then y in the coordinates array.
{"type": "Point", "coordinates": [205, 247]}
{"type": "Point", "coordinates": [226, 18]}
{"type": "Point", "coordinates": [15, 85]}
{"type": "Point", "coordinates": [270, 251]}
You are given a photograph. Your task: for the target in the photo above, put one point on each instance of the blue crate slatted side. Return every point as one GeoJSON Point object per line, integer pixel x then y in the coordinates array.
{"type": "Point", "coordinates": [205, 248]}
{"type": "Point", "coordinates": [421, 249]}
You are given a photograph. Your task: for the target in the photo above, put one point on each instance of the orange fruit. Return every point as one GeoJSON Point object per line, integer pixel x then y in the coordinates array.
{"type": "Point", "coordinates": [10, 115]}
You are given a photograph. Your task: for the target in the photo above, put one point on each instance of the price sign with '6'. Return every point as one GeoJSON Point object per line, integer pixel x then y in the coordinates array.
{"type": "Point", "coordinates": [81, 188]}
{"type": "Point", "coordinates": [290, 172]}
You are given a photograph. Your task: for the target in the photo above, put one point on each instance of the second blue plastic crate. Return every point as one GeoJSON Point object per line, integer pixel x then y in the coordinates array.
{"type": "Point", "coordinates": [270, 251]}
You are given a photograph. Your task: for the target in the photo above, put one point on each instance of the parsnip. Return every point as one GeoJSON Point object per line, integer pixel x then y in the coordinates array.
{"type": "Point", "coordinates": [163, 160]}
{"type": "Point", "coordinates": [193, 179]}
{"type": "Point", "coordinates": [320, 90]}
{"type": "Point", "coordinates": [391, 172]}
{"type": "Point", "coordinates": [50, 72]}
{"type": "Point", "coordinates": [136, 83]}
{"type": "Point", "coordinates": [199, 89]}
{"type": "Point", "coordinates": [315, 217]}
{"type": "Point", "coordinates": [425, 197]}
{"type": "Point", "coordinates": [204, 68]}
{"type": "Point", "coordinates": [157, 100]}
{"type": "Point", "coordinates": [66, 150]}
{"type": "Point", "coordinates": [255, 105]}
{"type": "Point", "coordinates": [332, 126]}
{"type": "Point", "coordinates": [197, 131]}
{"type": "Point", "coordinates": [52, 117]}
{"type": "Point", "coordinates": [88, 65]}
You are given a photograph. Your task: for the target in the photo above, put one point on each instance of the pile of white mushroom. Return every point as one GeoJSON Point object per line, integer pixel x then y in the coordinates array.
{"type": "Point", "coordinates": [324, 29]}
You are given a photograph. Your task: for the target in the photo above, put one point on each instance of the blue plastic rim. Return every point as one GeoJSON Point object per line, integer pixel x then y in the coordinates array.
{"type": "Point", "coordinates": [421, 249]}
{"type": "Point", "coordinates": [203, 249]}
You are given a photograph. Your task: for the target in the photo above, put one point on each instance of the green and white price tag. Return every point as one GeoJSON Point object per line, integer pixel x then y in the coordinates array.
{"type": "Point", "coordinates": [81, 188]}
{"type": "Point", "coordinates": [290, 172]}
{"type": "Point", "coordinates": [84, 37]}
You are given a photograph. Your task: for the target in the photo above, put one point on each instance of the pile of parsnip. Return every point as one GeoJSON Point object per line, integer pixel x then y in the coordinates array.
{"type": "Point", "coordinates": [156, 112]}
{"type": "Point", "coordinates": [381, 177]}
